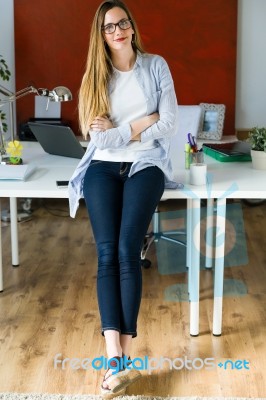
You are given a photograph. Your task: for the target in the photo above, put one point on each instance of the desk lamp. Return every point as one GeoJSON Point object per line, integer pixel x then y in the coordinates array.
{"type": "Point", "coordinates": [58, 94]}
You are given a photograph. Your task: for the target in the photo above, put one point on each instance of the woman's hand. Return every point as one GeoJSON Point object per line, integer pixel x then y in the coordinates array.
{"type": "Point", "coordinates": [100, 124]}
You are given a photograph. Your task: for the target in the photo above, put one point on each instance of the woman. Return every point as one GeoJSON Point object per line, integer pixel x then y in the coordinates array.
{"type": "Point", "coordinates": [128, 106]}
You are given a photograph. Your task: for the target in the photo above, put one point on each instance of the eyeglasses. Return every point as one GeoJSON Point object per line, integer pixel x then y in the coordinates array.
{"type": "Point", "coordinates": [123, 24]}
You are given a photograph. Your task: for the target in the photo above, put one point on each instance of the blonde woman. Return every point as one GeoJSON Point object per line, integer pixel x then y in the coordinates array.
{"type": "Point", "coordinates": [127, 105]}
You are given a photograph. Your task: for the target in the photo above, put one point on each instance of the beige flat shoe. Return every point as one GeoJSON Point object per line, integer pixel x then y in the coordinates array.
{"type": "Point", "coordinates": [128, 375]}
{"type": "Point", "coordinates": [109, 394]}
{"type": "Point", "coordinates": [110, 387]}
{"type": "Point", "coordinates": [126, 378]}
{"type": "Point", "coordinates": [116, 383]}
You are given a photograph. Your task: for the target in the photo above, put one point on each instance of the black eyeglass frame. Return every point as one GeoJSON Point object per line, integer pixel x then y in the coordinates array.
{"type": "Point", "coordinates": [115, 25]}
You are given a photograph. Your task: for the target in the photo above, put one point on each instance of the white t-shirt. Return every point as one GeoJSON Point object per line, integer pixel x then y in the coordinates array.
{"type": "Point", "coordinates": [128, 104]}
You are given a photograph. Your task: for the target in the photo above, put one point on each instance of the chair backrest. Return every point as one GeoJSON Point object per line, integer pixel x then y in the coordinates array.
{"type": "Point", "coordinates": [188, 122]}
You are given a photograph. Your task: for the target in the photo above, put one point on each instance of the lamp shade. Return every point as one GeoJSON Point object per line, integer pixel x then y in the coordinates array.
{"type": "Point", "coordinates": [61, 93]}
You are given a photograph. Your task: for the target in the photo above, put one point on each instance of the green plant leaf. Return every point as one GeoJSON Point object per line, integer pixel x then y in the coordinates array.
{"type": "Point", "coordinates": [4, 71]}
{"type": "Point", "coordinates": [257, 138]}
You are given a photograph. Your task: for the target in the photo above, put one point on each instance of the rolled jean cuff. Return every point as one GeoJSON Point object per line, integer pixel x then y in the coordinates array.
{"type": "Point", "coordinates": [111, 328]}
{"type": "Point", "coordinates": [134, 334]}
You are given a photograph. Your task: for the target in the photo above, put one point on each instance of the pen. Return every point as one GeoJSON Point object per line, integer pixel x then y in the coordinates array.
{"type": "Point", "coordinates": [187, 148]}
{"type": "Point", "coordinates": [187, 155]}
{"type": "Point", "coordinates": [192, 142]}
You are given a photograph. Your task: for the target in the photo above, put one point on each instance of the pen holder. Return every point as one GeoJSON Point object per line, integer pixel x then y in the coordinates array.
{"type": "Point", "coordinates": [198, 173]}
{"type": "Point", "coordinates": [197, 157]}
{"type": "Point", "coordinates": [193, 158]}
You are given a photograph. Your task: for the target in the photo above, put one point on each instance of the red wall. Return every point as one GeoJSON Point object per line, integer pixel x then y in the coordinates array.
{"type": "Point", "coordinates": [197, 38]}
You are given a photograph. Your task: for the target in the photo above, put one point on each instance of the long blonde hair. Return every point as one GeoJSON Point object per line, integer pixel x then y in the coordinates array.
{"type": "Point", "coordinates": [93, 94]}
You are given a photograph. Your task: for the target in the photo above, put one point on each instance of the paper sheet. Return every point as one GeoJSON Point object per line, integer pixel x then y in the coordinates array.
{"type": "Point", "coordinates": [54, 108]}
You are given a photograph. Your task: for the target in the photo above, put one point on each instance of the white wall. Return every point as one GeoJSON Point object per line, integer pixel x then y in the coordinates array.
{"type": "Point", "coordinates": [7, 45]}
{"type": "Point", "coordinates": [251, 64]}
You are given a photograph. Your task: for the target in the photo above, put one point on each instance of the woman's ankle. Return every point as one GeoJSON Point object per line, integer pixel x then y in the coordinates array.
{"type": "Point", "coordinates": [112, 353]}
{"type": "Point", "coordinates": [126, 343]}
{"type": "Point", "coordinates": [113, 346]}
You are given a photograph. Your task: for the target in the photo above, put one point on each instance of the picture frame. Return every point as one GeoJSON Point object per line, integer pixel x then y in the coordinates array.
{"type": "Point", "coordinates": [212, 121]}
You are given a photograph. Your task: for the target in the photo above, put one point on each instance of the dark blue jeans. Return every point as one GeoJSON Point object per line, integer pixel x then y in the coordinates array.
{"type": "Point", "coordinates": [120, 210]}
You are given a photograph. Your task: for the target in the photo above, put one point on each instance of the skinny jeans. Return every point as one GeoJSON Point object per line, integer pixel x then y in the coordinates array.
{"type": "Point", "coordinates": [120, 210]}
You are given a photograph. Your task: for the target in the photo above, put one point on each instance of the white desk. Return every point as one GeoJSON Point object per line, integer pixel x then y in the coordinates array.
{"type": "Point", "coordinates": [225, 180]}
{"type": "Point", "coordinates": [41, 184]}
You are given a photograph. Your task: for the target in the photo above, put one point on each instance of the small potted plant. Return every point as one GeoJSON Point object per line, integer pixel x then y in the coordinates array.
{"type": "Point", "coordinates": [14, 150]}
{"type": "Point", "coordinates": [257, 139]}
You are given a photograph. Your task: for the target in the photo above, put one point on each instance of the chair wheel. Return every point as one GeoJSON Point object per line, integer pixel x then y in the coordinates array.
{"type": "Point", "coordinates": [145, 263]}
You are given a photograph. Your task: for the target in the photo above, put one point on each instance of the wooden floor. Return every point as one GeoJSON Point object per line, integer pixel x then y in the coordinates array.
{"type": "Point", "coordinates": [49, 307]}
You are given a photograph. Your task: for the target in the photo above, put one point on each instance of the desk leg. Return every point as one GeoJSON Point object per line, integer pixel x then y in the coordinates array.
{"type": "Point", "coordinates": [195, 269]}
{"type": "Point", "coordinates": [156, 224]}
{"type": "Point", "coordinates": [209, 233]}
{"type": "Point", "coordinates": [14, 231]}
{"type": "Point", "coordinates": [219, 267]}
{"type": "Point", "coordinates": [189, 240]}
{"type": "Point", "coordinates": [1, 255]}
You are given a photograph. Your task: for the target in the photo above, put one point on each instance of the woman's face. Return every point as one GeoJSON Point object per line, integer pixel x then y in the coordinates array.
{"type": "Point", "coordinates": [120, 38]}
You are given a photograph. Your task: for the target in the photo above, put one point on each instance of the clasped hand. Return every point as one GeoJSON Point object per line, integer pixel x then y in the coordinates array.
{"type": "Point", "coordinates": [100, 124]}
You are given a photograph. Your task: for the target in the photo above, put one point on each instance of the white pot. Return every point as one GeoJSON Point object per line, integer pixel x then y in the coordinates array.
{"type": "Point", "coordinates": [258, 159]}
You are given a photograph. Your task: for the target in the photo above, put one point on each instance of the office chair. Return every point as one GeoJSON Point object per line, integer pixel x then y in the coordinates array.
{"type": "Point", "coordinates": [189, 118]}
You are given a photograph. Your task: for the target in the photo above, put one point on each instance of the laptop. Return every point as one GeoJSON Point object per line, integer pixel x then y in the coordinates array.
{"type": "Point", "coordinates": [58, 140]}
{"type": "Point", "coordinates": [238, 148]}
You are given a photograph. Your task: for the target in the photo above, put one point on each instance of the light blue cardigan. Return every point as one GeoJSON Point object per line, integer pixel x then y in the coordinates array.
{"type": "Point", "coordinates": [154, 77]}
